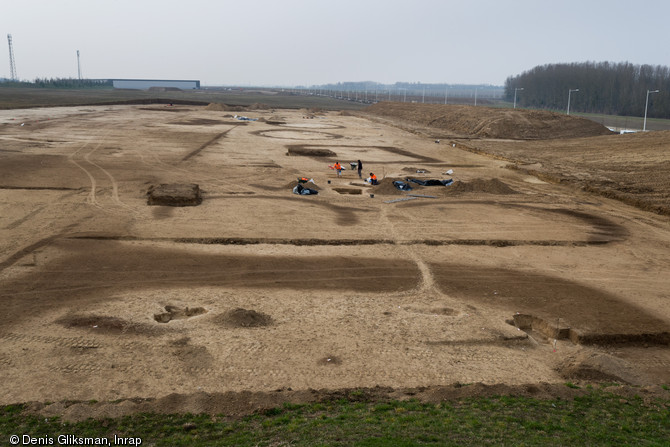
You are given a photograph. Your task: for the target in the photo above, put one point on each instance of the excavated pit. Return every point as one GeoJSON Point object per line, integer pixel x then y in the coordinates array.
{"type": "Point", "coordinates": [174, 194]}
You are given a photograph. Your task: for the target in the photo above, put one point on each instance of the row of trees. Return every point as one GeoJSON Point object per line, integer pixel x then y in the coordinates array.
{"type": "Point", "coordinates": [60, 83]}
{"type": "Point", "coordinates": [604, 87]}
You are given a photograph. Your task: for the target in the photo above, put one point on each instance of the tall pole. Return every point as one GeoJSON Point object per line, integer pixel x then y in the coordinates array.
{"type": "Point", "coordinates": [515, 90]}
{"type": "Point", "coordinates": [475, 97]}
{"type": "Point", "coordinates": [569, 92]}
{"type": "Point", "coordinates": [446, 92]}
{"type": "Point", "coordinates": [644, 126]}
{"type": "Point", "coordinates": [78, 66]}
{"type": "Point", "coordinates": [12, 64]}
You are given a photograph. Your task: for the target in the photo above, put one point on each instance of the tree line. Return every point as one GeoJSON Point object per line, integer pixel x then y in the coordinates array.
{"type": "Point", "coordinates": [60, 83]}
{"type": "Point", "coordinates": [604, 87]}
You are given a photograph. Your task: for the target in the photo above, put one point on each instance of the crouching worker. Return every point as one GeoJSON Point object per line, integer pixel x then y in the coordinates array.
{"type": "Point", "coordinates": [373, 179]}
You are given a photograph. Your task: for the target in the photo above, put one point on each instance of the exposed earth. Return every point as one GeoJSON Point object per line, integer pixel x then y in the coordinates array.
{"type": "Point", "coordinates": [523, 273]}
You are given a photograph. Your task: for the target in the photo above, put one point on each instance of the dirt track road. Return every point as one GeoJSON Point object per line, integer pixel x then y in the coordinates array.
{"type": "Point", "coordinates": [345, 290]}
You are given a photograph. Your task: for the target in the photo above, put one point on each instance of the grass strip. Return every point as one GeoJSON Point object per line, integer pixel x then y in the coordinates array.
{"type": "Point", "coordinates": [598, 418]}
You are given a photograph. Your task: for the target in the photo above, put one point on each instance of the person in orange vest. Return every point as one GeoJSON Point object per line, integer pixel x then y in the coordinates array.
{"type": "Point", "coordinates": [338, 167]}
{"type": "Point", "coordinates": [373, 179]}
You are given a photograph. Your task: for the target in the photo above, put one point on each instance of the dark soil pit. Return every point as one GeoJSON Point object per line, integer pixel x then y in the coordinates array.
{"type": "Point", "coordinates": [446, 311]}
{"type": "Point", "coordinates": [174, 194]}
{"type": "Point", "coordinates": [348, 191]}
{"type": "Point", "coordinates": [199, 122]}
{"type": "Point", "coordinates": [416, 170]}
{"type": "Point", "coordinates": [308, 152]}
{"type": "Point", "coordinates": [177, 313]}
{"type": "Point", "coordinates": [244, 318]}
{"type": "Point", "coordinates": [330, 360]}
{"type": "Point", "coordinates": [492, 186]}
{"type": "Point", "coordinates": [105, 325]}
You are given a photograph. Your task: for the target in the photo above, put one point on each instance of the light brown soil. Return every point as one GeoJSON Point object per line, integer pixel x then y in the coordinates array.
{"type": "Point", "coordinates": [410, 298]}
{"type": "Point", "coordinates": [486, 122]}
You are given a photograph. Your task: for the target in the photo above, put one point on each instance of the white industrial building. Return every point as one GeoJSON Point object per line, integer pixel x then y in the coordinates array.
{"type": "Point", "coordinates": [144, 84]}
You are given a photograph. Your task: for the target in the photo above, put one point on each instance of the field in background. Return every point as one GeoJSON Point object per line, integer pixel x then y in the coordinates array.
{"type": "Point", "coordinates": [14, 98]}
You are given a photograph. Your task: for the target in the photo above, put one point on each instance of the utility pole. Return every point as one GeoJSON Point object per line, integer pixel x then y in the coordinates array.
{"type": "Point", "coordinates": [78, 66]}
{"type": "Point", "coordinates": [644, 127]}
{"type": "Point", "coordinates": [12, 64]}
{"type": "Point", "coordinates": [569, 93]}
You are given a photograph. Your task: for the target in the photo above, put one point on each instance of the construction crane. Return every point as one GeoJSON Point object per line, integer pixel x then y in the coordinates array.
{"type": "Point", "coordinates": [12, 64]}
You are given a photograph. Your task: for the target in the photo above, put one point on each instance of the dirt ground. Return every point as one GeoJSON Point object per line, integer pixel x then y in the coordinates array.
{"type": "Point", "coordinates": [504, 280]}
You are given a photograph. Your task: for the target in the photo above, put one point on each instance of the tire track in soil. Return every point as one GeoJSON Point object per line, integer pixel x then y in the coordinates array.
{"type": "Point", "coordinates": [92, 197]}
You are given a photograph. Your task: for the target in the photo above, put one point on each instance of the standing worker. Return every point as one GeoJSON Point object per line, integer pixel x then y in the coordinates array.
{"type": "Point", "coordinates": [338, 167]}
{"type": "Point", "coordinates": [360, 168]}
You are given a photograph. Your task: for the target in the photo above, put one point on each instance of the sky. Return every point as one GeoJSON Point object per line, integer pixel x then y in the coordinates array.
{"type": "Point", "coordinates": [314, 42]}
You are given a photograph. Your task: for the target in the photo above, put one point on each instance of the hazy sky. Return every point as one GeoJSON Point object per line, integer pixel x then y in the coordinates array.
{"type": "Point", "coordinates": [307, 42]}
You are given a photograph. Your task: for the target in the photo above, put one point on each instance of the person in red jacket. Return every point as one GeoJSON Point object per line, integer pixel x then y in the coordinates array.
{"type": "Point", "coordinates": [373, 179]}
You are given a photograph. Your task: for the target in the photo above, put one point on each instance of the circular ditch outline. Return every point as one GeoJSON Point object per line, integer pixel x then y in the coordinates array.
{"type": "Point", "coordinates": [603, 230]}
{"type": "Point", "coordinates": [311, 126]}
{"type": "Point", "coordinates": [317, 135]}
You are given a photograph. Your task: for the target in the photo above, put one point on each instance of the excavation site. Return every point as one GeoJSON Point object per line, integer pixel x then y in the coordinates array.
{"type": "Point", "coordinates": [194, 261]}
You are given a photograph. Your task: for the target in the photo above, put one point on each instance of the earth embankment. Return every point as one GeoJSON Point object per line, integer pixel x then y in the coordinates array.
{"type": "Point", "coordinates": [487, 122]}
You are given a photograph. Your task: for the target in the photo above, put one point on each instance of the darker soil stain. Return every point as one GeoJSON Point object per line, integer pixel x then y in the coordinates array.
{"type": "Point", "coordinates": [593, 316]}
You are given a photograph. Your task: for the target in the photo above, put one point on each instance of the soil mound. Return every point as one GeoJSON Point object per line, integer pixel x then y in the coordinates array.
{"type": "Point", "coordinates": [258, 106]}
{"type": "Point", "coordinates": [386, 188]}
{"type": "Point", "coordinates": [488, 122]}
{"type": "Point", "coordinates": [240, 317]}
{"type": "Point", "coordinates": [492, 186]}
{"type": "Point", "coordinates": [217, 106]}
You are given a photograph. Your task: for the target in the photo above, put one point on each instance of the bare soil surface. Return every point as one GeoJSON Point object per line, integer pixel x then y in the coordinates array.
{"type": "Point", "coordinates": [486, 122]}
{"type": "Point", "coordinates": [502, 280]}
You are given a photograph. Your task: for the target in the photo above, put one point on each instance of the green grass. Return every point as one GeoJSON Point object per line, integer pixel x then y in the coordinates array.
{"type": "Point", "coordinates": [598, 418]}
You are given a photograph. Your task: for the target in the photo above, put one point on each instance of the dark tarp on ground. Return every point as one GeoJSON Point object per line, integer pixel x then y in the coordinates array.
{"type": "Point", "coordinates": [431, 182]}
{"type": "Point", "coordinates": [299, 189]}
{"type": "Point", "coordinates": [402, 186]}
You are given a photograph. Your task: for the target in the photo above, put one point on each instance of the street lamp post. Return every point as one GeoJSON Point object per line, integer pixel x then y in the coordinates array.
{"type": "Point", "coordinates": [515, 90]}
{"type": "Point", "coordinates": [644, 126]}
{"type": "Point", "coordinates": [569, 92]}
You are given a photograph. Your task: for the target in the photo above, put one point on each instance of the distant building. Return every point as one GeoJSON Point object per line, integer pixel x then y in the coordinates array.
{"type": "Point", "coordinates": [144, 84]}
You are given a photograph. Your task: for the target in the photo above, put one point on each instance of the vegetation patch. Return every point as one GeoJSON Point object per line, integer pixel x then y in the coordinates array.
{"type": "Point", "coordinates": [594, 418]}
